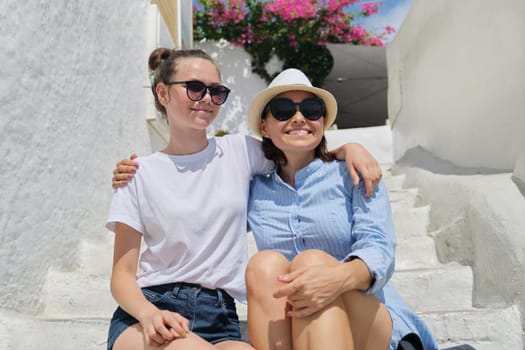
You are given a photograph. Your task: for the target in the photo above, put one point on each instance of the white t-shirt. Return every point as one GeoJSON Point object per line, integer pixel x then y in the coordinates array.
{"type": "Point", "coordinates": [191, 211]}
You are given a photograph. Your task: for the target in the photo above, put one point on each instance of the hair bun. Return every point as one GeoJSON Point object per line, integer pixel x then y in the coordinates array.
{"type": "Point", "coordinates": [158, 56]}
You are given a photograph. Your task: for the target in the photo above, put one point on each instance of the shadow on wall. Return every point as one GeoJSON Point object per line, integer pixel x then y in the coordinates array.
{"type": "Point", "coordinates": [519, 184]}
{"type": "Point", "coordinates": [421, 158]}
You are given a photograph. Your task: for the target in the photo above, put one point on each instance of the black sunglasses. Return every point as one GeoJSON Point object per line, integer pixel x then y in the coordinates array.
{"type": "Point", "coordinates": [283, 109]}
{"type": "Point", "coordinates": [196, 90]}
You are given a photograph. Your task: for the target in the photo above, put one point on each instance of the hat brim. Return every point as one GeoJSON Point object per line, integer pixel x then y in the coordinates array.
{"type": "Point", "coordinates": [260, 101]}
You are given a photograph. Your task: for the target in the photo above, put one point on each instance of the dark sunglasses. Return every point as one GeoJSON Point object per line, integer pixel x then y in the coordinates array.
{"type": "Point", "coordinates": [196, 90]}
{"type": "Point", "coordinates": [283, 109]}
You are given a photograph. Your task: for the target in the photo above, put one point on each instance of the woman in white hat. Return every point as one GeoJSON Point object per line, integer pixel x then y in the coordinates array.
{"type": "Point", "coordinates": [326, 251]}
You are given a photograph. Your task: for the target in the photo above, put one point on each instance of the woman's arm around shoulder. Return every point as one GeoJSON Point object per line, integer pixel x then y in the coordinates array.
{"type": "Point", "coordinates": [360, 161]}
{"type": "Point", "coordinates": [124, 171]}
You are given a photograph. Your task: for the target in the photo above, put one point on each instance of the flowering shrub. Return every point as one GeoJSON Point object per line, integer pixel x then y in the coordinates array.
{"type": "Point", "coordinates": [294, 31]}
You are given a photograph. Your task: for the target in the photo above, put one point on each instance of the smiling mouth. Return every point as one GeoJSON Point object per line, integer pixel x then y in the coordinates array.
{"type": "Point", "coordinates": [201, 110]}
{"type": "Point", "coordinates": [298, 132]}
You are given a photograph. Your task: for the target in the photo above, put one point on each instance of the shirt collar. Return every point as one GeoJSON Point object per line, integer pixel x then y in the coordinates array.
{"type": "Point", "coordinates": [302, 174]}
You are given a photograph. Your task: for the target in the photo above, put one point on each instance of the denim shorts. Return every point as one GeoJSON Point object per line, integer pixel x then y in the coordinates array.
{"type": "Point", "coordinates": [211, 312]}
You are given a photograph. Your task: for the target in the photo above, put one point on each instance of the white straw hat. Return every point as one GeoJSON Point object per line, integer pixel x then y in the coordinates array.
{"type": "Point", "coordinates": [289, 80]}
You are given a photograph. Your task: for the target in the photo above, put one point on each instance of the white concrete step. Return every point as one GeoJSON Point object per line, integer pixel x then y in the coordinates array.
{"type": "Point", "coordinates": [403, 198]}
{"type": "Point", "coordinates": [416, 253]}
{"type": "Point", "coordinates": [442, 294]}
{"type": "Point", "coordinates": [77, 295]}
{"type": "Point", "coordinates": [410, 222]}
{"type": "Point", "coordinates": [83, 292]}
{"type": "Point", "coordinates": [483, 329]}
{"type": "Point", "coordinates": [17, 333]}
{"type": "Point", "coordinates": [393, 182]}
{"type": "Point", "coordinates": [447, 287]}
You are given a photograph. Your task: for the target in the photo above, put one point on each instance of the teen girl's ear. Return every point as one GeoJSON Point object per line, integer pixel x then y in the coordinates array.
{"type": "Point", "coordinates": [162, 93]}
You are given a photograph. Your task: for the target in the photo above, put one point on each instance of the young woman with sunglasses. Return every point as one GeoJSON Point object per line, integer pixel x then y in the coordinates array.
{"type": "Point", "coordinates": [188, 204]}
{"type": "Point", "coordinates": [326, 251]}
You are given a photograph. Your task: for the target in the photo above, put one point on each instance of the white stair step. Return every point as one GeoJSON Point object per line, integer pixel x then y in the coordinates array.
{"type": "Point", "coordinates": [87, 334]}
{"type": "Point", "coordinates": [393, 182]}
{"type": "Point", "coordinates": [242, 311]}
{"type": "Point", "coordinates": [483, 329]}
{"type": "Point", "coordinates": [411, 222]}
{"type": "Point", "coordinates": [448, 287]}
{"type": "Point", "coordinates": [403, 199]}
{"type": "Point", "coordinates": [77, 295]}
{"type": "Point", "coordinates": [84, 292]}
{"type": "Point", "coordinates": [416, 253]}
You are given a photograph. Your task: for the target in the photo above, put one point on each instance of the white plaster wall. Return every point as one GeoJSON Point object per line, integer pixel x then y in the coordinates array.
{"type": "Point", "coordinates": [237, 74]}
{"type": "Point", "coordinates": [519, 167]}
{"type": "Point", "coordinates": [519, 172]}
{"type": "Point", "coordinates": [72, 102]}
{"type": "Point", "coordinates": [455, 99]}
{"type": "Point", "coordinates": [456, 84]}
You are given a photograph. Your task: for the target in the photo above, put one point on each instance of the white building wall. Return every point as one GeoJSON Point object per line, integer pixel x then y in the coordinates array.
{"type": "Point", "coordinates": [237, 74]}
{"type": "Point", "coordinates": [72, 102]}
{"type": "Point", "coordinates": [456, 84]}
{"type": "Point", "coordinates": [74, 99]}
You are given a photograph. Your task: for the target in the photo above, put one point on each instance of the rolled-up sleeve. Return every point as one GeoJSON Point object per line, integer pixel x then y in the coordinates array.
{"type": "Point", "coordinates": [373, 234]}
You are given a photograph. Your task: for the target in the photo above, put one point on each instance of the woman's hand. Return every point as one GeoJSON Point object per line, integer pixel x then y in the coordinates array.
{"type": "Point", "coordinates": [162, 326]}
{"type": "Point", "coordinates": [310, 289]}
{"type": "Point", "coordinates": [159, 326]}
{"type": "Point", "coordinates": [124, 171]}
{"type": "Point", "coordinates": [360, 161]}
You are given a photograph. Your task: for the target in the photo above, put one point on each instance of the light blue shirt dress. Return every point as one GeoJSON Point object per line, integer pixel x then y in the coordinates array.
{"type": "Point", "coordinates": [326, 211]}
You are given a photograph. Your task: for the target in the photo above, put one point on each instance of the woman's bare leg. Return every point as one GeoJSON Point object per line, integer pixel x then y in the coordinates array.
{"type": "Point", "coordinates": [233, 345]}
{"type": "Point", "coordinates": [329, 328]}
{"type": "Point", "coordinates": [133, 339]}
{"type": "Point", "coordinates": [268, 326]}
{"type": "Point", "coordinates": [370, 320]}
{"type": "Point", "coordinates": [353, 321]}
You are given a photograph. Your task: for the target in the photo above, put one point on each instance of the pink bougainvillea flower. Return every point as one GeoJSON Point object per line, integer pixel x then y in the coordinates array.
{"type": "Point", "coordinates": [369, 8]}
{"type": "Point", "coordinates": [390, 29]}
{"type": "Point", "coordinates": [287, 29]}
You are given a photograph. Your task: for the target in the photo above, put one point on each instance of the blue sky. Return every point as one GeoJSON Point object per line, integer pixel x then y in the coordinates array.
{"type": "Point", "coordinates": [391, 13]}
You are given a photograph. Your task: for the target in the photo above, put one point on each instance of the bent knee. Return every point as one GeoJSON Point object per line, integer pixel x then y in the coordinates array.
{"type": "Point", "coordinates": [313, 257]}
{"type": "Point", "coordinates": [264, 265]}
